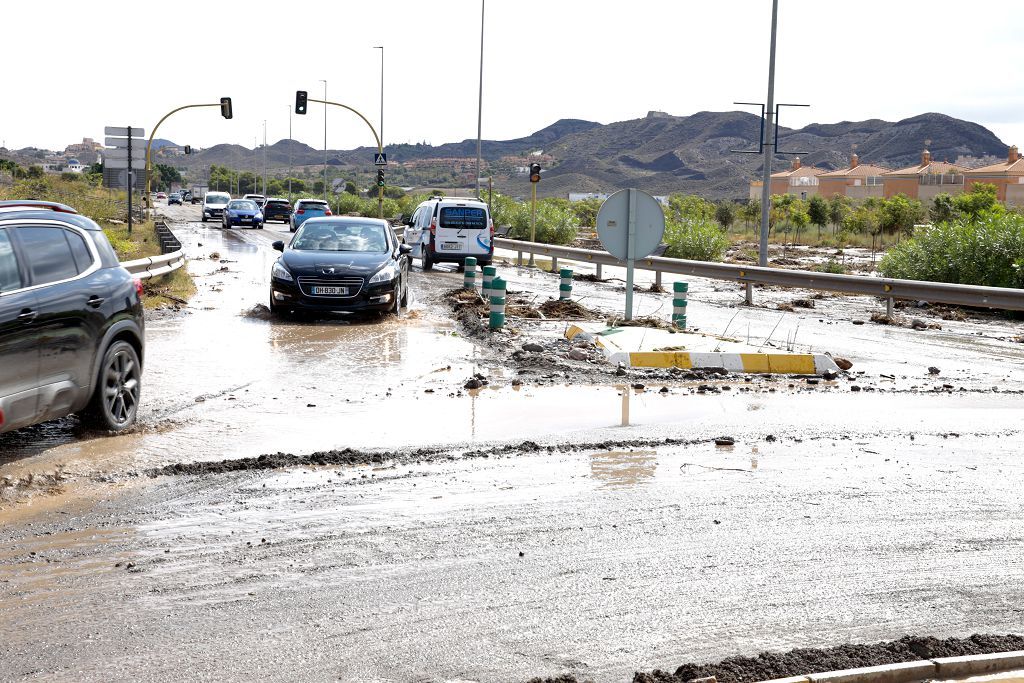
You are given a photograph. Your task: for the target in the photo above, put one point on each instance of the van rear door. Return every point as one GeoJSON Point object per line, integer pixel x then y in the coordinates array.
{"type": "Point", "coordinates": [462, 230]}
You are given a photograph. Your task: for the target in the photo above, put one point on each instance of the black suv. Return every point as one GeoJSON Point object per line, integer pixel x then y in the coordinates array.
{"type": "Point", "coordinates": [277, 209]}
{"type": "Point", "coordinates": [71, 324]}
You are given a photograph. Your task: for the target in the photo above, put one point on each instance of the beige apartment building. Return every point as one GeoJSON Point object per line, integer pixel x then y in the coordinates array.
{"type": "Point", "coordinates": [857, 181]}
{"type": "Point", "coordinates": [1007, 176]}
{"type": "Point", "coordinates": [925, 180]}
{"type": "Point", "coordinates": [800, 181]}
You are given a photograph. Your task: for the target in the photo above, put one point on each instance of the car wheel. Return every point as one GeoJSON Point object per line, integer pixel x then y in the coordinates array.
{"type": "Point", "coordinates": [460, 268]}
{"type": "Point", "coordinates": [204, 218]}
{"type": "Point", "coordinates": [275, 309]}
{"type": "Point", "coordinates": [427, 263]}
{"type": "Point", "coordinates": [115, 402]}
{"type": "Point", "coordinates": [405, 295]}
{"type": "Point", "coordinates": [396, 307]}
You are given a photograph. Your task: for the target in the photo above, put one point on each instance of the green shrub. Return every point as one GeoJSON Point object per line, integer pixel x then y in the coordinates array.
{"type": "Point", "coordinates": [695, 238]}
{"type": "Point", "coordinates": [987, 251]}
{"type": "Point", "coordinates": [557, 223]}
{"type": "Point", "coordinates": [830, 266]}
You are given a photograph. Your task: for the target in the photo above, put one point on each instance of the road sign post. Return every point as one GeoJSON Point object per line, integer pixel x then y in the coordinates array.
{"type": "Point", "coordinates": [630, 224]}
{"type": "Point", "coordinates": [124, 156]}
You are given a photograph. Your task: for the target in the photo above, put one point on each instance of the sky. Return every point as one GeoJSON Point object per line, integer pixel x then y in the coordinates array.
{"type": "Point", "coordinates": [79, 66]}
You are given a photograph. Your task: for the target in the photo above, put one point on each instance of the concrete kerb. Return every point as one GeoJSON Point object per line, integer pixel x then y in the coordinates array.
{"type": "Point", "coordinates": [735, 361]}
{"type": "Point", "coordinates": [911, 672]}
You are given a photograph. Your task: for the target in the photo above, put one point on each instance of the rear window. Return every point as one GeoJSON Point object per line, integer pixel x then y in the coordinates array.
{"type": "Point", "coordinates": [314, 206]}
{"type": "Point", "coordinates": [463, 217]}
{"type": "Point", "coordinates": [10, 278]}
{"type": "Point", "coordinates": [278, 205]}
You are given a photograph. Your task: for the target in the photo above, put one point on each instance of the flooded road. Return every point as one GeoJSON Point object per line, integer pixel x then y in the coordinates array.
{"type": "Point", "coordinates": [580, 545]}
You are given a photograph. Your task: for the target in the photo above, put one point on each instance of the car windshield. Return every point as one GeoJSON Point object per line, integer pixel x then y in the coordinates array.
{"type": "Point", "coordinates": [217, 198]}
{"type": "Point", "coordinates": [363, 237]}
{"type": "Point", "coordinates": [242, 205]}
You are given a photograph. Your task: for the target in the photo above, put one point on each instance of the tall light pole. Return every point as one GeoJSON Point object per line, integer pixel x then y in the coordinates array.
{"type": "Point", "coordinates": [480, 103]}
{"type": "Point", "coordinates": [264, 157]}
{"type": "Point", "coordinates": [289, 153]}
{"type": "Point", "coordinates": [325, 138]}
{"type": "Point", "coordinates": [381, 48]}
{"type": "Point", "coordinates": [767, 150]}
{"type": "Point", "coordinates": [255, 162]}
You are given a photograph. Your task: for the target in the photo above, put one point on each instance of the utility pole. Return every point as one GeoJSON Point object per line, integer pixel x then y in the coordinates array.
{"type": "Point", "coordinates": [255, 167]}
{"type": "Point", "coordinates": [289, 153]}
{"type": "Point", "coordinates": [480, 102]}
{"type": "Point", "coordinates": [264, 157]}
{"type": "Point", "coordinates": [381, 48]}
{"type": "Point", "coordinates": [767, 150]}
{"type": "Point", "coordinates": [325, 138]}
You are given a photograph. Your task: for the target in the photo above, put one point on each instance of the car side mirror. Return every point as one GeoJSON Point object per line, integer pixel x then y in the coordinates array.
{"type": "Point", "coordinates": [404, 249]}
{"type": "Point", "coordinates": [278, 245]}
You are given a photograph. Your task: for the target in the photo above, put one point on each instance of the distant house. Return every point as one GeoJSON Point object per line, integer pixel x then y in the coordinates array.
{"type": "Point", "coordinates": [858, 181]}
{"type": "Point", "coordinates": [1007, 176]}
{"type": "Point", "coordinates": [580, 196]}
{"type": "Point", "coordinates": [798, 180]}
{"type": "Point", "coordinates": [74, 166]}
{"type": "Point", "coordinates": [925, 180]}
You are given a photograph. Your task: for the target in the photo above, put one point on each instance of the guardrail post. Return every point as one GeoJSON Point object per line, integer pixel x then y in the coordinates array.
{"type": "Point", "coordinates": [888, 307]}
{"type": "Point", "coordinates": [750, 294]}
{"type": "Point", "coordinates": [679, 294]}
{"type": "Point", "coordinates": [469, 279]}
{"type": "Point", "coordinates": [657, 278]}
{"type": "Point", "coordinates": [598, 271]}
{"type": "Point", "coordinates": [565, 284]}
{"type": "Point", "coordinates": [497, 304]}
{"type": "Point", "coordinates": [519, 258]}
{"type": "Point", "coordinates": [488, 277]}
{"type": "Point", "coordinates": [554, 264]}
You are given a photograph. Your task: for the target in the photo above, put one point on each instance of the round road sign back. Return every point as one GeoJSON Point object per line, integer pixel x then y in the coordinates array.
{"type": "Point", "coordinates": [613, 224]}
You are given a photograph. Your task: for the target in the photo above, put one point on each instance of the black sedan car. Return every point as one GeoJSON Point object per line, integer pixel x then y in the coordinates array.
{"type": "Point", "coordinates": [277, 209]}
{"type": "Point", "coordinates": [341, 264]}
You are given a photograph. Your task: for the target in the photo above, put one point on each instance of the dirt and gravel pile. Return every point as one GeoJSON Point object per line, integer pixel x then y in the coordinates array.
{"type": "Point", "coordinates": [643, 322]}
{"type": "Point", "coordinates": [770, 665]}
{"type": "Point", "coordinates": [566, 309]}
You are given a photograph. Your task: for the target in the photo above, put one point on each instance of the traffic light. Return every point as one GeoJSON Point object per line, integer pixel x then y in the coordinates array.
{"type": "Point", "coordinates": [225, 107]}
{"type": "Point", "coordinates": [188, 149]}
{"type": "Point", "coordinates": [380, 177]}
{"type": "Point", "coordinates": [534, 173]}
{"type": "Point", "coordinates": [300, 101]}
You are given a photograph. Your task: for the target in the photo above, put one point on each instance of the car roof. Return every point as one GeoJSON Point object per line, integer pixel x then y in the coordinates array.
{"type": "Point", "coordinates": [311, 199]}
{"type": "Point", "coordinates": [75, 219]}
{"type": "Point", "coordinates": [36, 204]}
{"type": "Point", "coordinates": [334, 220]}
{"type": "Point", "coordinates": [276, 199]}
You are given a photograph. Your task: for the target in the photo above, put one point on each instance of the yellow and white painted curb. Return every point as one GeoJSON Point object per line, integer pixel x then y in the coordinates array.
{"type": "Point", "coordinates": [941, 669]}
{"type": "Point", "coordinates": [643, 347]}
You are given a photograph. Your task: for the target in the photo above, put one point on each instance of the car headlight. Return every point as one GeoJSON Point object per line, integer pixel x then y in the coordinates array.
{"type": "Point", "coordinates": [258, 217]}
{"type": "Point", "coordinates": [385, 274]}
{"type": "Point", "coordinates": [280, 272]}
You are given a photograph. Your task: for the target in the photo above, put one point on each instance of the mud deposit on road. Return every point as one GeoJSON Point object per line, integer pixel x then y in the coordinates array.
{"type": "Point", "coordinates": [769, 665]}
{"type": "Point", "coordinates": [349, 456]}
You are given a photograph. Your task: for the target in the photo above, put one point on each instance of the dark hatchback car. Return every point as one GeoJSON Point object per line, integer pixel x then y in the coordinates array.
{"type": "Point", "coordinates": [341, 264]}
{"type": "Point", "coordinates": [277, 209]}
{"type": "Point", "coordinates": [71, 321]}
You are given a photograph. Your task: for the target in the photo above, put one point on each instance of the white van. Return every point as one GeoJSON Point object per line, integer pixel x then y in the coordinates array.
{"type": "Point", "coordinates": [448, 229]}
{"type": "Point", "coordinates": [214, 204]}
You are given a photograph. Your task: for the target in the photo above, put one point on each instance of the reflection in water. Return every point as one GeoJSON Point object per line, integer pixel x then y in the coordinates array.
{"type": "Point", "coordinates": [616, 469]}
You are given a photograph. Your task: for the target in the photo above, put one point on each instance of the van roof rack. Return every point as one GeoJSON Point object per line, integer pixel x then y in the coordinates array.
{"type": "Point", "coordinates": [461, 199]}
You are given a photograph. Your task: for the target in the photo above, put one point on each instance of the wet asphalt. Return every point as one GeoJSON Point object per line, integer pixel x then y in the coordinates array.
{"type": "Point", "coordinates": [836, 516]}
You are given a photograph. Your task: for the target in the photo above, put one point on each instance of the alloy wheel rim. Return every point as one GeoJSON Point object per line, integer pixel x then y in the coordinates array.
{"type": "Point", "coordinates": [121, 387]}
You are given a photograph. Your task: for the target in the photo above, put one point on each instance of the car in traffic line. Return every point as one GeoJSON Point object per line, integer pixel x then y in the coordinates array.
{"type": "Point", "coordinates": [308, 208]}
{"type": "Point", "coordinates": [258, 198]}
{"type": "Point", "coordinates": [341, 263]}
{"type": "Point", "coordinates": [71, 321]}
{"type": "Point", "coordinates": [161, 195]}
{"type": "Point", "coordinates": [173, 198]}
{"type": "Point", "coordinates": [214, 203]}
{"type": "Point", "coordinates": [448, 229]}
{"type": "Point", "coordinates": [242, 212]}
{"type": "Point", "coordinates": [277, 209]}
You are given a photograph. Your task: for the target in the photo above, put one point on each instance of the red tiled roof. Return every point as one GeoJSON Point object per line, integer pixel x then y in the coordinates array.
{"type": "Point", "coordinates": [802, 172]}
{"type": "Point", "coordinates": [1002, 168]}
{"type": "Point", "coordinates": [933, 168]}
{"type": "Point", "coordinates": [859, 171]}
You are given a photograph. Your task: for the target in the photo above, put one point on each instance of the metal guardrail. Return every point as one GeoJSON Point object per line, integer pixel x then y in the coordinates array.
{"type": "Point", "coordinates": [154, 266]}
{"type": "Point", "coordinates": [888, 288]}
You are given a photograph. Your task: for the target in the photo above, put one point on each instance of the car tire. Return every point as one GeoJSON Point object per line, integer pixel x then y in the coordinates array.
{"type": "Point", "coordinates": [275, 310]}
{"type": "Point", "coordinates": [396, 307]}
{"type": "Point", "coordinates": [460, 267]}
{"type": "Point", "coordinates": [428, 264]}
{"type": "Point", "coordinates": [204, 218]}
{"type": "Point", "coordinates": [405, 295]}
{"type": "Point", "coordinates": [114, 404]}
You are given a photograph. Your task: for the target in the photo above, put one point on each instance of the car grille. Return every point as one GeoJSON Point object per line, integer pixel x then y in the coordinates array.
{"type": "Point", "coordinates": [355, 284]}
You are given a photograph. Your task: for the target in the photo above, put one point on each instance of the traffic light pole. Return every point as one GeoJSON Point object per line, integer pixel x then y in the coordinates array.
{"type": "Point", "coordinates": [533, 221]}
{"type": "Point", "coordinates": [380, 149]}
{"type": "Point", "coordinates": [149, 145]}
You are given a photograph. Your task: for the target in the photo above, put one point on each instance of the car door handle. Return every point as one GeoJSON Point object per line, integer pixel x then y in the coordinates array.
{"type": "Point", "coordinates": [27, 315]}
{"type": "Point", "coordinates": [96, 301]}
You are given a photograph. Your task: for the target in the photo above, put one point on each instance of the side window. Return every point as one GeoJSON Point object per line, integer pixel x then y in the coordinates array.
{"type": "Point", "coordinates": [48, 254]}
{"type": "Point", "coordinates": [83, 259]}
{"type": "Point", "coordinates": [10, 278]}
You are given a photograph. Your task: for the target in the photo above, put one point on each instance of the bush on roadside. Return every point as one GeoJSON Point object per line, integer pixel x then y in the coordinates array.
{"type": "Point", "coordinates": [986, 251]}
{"type": "Point", "coordinates": [696, 238]}
{"type": "Point", "coordinates": [557, 223]}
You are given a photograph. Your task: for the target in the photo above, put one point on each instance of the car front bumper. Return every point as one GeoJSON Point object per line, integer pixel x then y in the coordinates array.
{"type": "Point", "coordinates": [376, 297]}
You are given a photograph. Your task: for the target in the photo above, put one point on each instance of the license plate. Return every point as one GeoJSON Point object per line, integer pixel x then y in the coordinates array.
{"type": "Point", "coordinates": [337, 291]}
{"type": "Point", "coordinates": [246, 220]}
{"type": "Point", "coordinates": [451, 246]}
